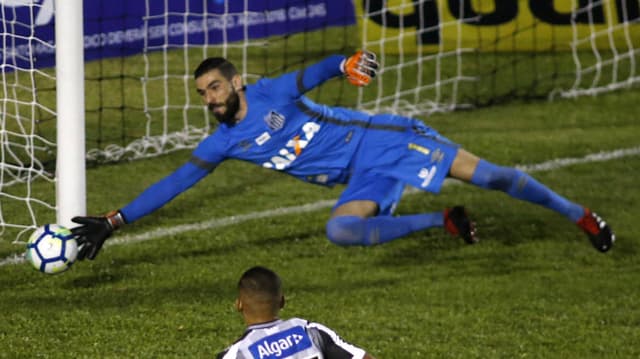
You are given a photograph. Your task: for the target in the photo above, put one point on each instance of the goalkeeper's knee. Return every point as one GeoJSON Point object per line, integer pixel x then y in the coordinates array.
{"type": "Point", "coordinates": [505, 179]}
{"type": "Point", "coordinates": [347, 231]}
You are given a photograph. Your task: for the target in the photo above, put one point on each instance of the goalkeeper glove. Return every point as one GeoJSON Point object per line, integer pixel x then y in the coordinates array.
{"type": "Point", "coordinates": [360, 68]}
{"type": "Point", "coordinates": [93, 231]}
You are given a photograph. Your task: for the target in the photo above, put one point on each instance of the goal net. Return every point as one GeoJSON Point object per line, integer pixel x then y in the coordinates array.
{"type": "Point", "coordinates": [436, 56]}
{"type": "Point", "coordinates": [610, 60]}
{"type": "Point", "coordinates": [469, 54]}
{"type": "Point", "coordinates": [27, 121]}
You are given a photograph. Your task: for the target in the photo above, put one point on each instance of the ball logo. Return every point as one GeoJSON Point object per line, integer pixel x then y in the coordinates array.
{"type": "Point", "coordinates": [44, 15]}
{"type": "Point", "coordinates": [281, 345]}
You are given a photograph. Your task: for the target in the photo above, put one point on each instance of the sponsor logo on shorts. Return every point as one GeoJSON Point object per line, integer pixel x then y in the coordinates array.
{"type": "Point", "coordinates": [281, 345]}
{"type": "Point", "coordinates": [437, 156]}
{"type": "Point", "coordinates": [426, 174]}
{"type": "Point", "coordinates": [425, 151]}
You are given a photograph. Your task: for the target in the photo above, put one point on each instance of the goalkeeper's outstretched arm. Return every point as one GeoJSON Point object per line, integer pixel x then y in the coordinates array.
{"type": "Point", "coordinates": [93, 231]}
{"type": "Point", "coordinates": [359, 69]}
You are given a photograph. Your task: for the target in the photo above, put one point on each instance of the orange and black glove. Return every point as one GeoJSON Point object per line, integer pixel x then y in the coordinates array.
{"type": "Point", "coordinates": [360, 68]}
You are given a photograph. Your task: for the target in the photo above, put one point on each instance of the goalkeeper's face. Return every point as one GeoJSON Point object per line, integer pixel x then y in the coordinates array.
{"type": "Point", "coordinates": [226, 111]}
{"type": "Point", "coordinates": [221, 97]}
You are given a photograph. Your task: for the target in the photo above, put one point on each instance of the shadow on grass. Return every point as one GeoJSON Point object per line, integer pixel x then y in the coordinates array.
{"type": "Point", "coordinates": [177, 250]}
{"type": "Point", "coordinates": [87, 292]}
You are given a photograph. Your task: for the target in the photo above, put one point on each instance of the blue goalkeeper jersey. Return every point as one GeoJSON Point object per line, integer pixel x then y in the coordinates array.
{"type": "Point", "coordinates": [282, 130]}
{"type": "Point", "coordinates": [286, 131]}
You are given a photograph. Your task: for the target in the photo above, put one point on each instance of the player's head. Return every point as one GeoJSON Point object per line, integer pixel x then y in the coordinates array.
{"type": "Point", "coordinates": [260, 295]}
{"type": "Point", "coordinates": [218, 83]}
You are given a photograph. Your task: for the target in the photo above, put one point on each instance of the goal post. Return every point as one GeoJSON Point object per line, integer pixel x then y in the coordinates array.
{"type": "Point", "coordinates": [70, 157]}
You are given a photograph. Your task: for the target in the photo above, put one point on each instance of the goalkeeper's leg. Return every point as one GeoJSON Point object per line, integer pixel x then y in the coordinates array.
{"type": "Point", "coordinates": [512, 181]}
{"type": "Point", "coordinates": [353, 224]}
{"type": "Point", "coordinates": [520, 185]}
{"type": "Point", "coordinates": [362, 215]}
{"type": "Point", "coordinates": [348, 230]}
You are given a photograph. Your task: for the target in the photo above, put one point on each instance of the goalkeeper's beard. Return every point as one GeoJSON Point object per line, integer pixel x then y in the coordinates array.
{"type": "Point", "coordinates": [232, 105]}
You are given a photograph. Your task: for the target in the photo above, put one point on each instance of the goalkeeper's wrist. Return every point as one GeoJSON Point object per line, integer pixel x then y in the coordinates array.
{"type": "Point", "coordinates": [342, 65]}
{"type": "Point", "coordinates": [115, 219]}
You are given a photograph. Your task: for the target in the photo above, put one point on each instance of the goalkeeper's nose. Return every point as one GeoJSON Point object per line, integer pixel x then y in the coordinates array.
{"type": "Point", "coordinates": [210, 98]}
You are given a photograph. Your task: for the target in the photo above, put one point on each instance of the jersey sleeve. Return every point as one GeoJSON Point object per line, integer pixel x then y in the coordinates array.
{"type": "Point", "coordinates": [333, 347]}
{"type": "Point", "coordinates": [230, 353]}
{"type": "Point", "coordinates": [294, 84]}
{"type": "Point", "coordinates": [163, 191]}
{"type": "Point", "coordinates": [203, 161]}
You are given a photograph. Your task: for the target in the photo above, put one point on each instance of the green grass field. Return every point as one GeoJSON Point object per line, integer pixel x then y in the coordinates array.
{"type": "Point", "coordinates": [532, 288]}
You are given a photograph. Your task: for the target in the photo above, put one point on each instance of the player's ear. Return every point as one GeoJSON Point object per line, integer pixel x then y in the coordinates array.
{"type": "Point", "coordinates": [282, 302]}
{"type": "Point", "coordinates": [238, 305]}
{"type": "Point", "coordinates": [236, 82]}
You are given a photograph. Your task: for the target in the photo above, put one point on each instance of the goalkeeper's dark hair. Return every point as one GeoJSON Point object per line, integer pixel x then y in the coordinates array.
{"type": "Point", "coordinates": [225, 67]}
{"type": "Point", "coordinates": [261, 282]}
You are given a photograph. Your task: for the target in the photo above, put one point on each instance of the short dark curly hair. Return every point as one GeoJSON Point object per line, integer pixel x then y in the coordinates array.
{"type": "Point", "coordinates": [226, 68]}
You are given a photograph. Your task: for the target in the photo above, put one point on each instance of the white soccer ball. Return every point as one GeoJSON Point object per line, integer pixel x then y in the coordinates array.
{"type": "Point", "coordinates": [52, 249]}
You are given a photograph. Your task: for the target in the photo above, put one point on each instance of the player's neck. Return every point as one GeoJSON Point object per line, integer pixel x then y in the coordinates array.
{"type": "Point", "coordinates": [242, 110]}
{"type": "Point", "coordinates": [259, 319]}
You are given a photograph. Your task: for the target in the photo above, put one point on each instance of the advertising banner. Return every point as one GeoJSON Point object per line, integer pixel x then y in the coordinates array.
{"type": "Point", "coordinates": [114, 28]}
{"type": "Point", "coordinates": [499, 25]}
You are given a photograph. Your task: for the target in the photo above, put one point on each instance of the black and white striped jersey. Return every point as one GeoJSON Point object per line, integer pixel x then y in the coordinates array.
{"type": "Point", "coordinates": [294, 338]}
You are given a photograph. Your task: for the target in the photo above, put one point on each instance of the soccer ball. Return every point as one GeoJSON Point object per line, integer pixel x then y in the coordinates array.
{"type": "Point", "coordinates": [52, 249]}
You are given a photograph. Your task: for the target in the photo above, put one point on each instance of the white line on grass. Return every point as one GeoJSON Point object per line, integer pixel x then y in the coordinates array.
{"type": "Point", "coordinates": [310, 207]}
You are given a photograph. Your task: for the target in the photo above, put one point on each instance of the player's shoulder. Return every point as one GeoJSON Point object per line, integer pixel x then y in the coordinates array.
{"type": "Point", "coordinates": [296, 322]}
{"type": "Point", "coordinates": [271, 88]}
{"type": "Point", "coordinates": [313, 328]}
{"type": "Point", "coordinates": [261, 86]}
{"type": "Point", "coordinates": [320, 327]}
{"type": "Point", "coordinates": [218, 140]}
{"type": "Point", "coordinates": [232, 351]}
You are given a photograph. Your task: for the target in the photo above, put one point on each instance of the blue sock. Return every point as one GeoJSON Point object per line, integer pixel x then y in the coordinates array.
{"type": "Point", "coordinates": [352, 230]}
{"type": "Point", "coordinates": [520, 185]}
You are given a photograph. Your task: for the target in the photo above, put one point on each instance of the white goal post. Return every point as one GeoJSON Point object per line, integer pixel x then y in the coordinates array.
{"type": "Point", "coordinates": [34, 100]}
{"type": "Point", "coordinates": [70, 157]}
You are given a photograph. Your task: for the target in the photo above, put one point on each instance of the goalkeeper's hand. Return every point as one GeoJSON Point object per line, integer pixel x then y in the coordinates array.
{"type": "Point", "coordinates": [360, 68]}
{"type": "Point", "coordinates": [93, 231]}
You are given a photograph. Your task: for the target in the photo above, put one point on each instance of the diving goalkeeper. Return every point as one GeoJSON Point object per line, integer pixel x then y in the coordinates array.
{"type": "Point", "coordinates": [272, 124]}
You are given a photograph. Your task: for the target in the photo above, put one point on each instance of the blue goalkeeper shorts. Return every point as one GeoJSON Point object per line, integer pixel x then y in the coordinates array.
{"type": "Point", "coordinates": [389, 159]}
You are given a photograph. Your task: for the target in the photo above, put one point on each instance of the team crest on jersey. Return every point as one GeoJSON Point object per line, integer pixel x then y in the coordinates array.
{"type": "Point", "coordinates": [274, 120]}
{"type": "Point", "coordinates": [281, 345]}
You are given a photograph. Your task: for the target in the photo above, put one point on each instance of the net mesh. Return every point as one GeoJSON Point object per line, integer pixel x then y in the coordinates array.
{"type": "Point", "coordinates": [27, 123]}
